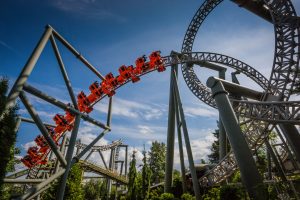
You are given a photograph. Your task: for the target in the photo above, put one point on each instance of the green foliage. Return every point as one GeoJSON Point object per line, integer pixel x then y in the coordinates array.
{"type": "Point", "coordinates": [236, 177]}
{"type": "Point", "coordinates": [146, 178]}
{"type": "Point", "coordinates": [212, 194]}
{"type": "Point", "coordinates": [73, 189]}
{"type": "Point", "coordinates": [155, 193]}
{"type": "Point", "coordinates": [214, 156]}
{"type": "Point", "coordinates": [187, 196]}
{"type": "Point", "coordinates": [228, 192]}
{"type": "Point", "coordinates": [132, 179]}
{"type": "Point", "coordinates": [7, 134]}
{"type": "Point", "coordinates": [166, 196]}
{"type": "Point", "coordinates": [92, 189]}
{"type": "Point", "coordinates": [157, 159]}
{"type": "Point", "coordinates": [122, 198]}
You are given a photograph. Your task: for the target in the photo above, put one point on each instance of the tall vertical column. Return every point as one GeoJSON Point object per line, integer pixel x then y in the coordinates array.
{"type": "Point", "coordinates": [111, 166]}
{"type": "Point", "coordinates": [180, 145]}
{"type": "Point", "coordinates": [249, 173]}
{"type": "Point", "coordinates": [186, 138]}
{"type": "Point", "coordinates": [69, 156]}
{"type": "Point", "coordinates": [222, 133]}
{"type": "Point", "coordinates": [170, 134]}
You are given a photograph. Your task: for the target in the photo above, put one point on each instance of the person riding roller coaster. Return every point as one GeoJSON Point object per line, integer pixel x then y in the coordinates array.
{"type": "Point", "coordinates": [65, 123]}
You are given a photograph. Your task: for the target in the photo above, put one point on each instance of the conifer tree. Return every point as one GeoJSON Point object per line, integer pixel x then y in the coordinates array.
{"type": "Point", "coordinates": [8, 121]}
{"type": "Point", "coordinates": [131, 195]}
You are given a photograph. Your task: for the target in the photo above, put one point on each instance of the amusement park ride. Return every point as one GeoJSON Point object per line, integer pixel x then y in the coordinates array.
{"type": "Point", "coordinates": [260, 113]}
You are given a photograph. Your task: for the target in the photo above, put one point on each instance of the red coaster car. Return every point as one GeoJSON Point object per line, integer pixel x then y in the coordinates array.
{"type": "Point", "coordinates": [96, 89]}
{"type": "Point", "coordinates": [27, 161]}
{"type": "Point", "coordinates": [134, 78]}
{"type": "Point", "coordinates": [140, 65]}
{"type": "Point", "coordinates": [125, 74]}
{"type": "Point", "coordinates": [83, 103]}
{"type": "Point", "coordinates": [62, 123]}
{"type": "Point", "coordinates": [156, 61]}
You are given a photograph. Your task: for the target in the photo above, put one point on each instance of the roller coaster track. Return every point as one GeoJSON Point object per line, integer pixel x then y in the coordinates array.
{"type": "Point", "coordinates": [34, 172]}
{"type": "Point", "coordinates": [102, 171]}
{"type": "Point", "coordinates": [100, 148]}
{"type": "Point", "coordinates": [272, 112]}
{"type": "Point", "coordinates": [281, 83]}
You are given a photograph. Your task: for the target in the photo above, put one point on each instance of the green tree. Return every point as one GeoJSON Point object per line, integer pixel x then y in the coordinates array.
{"type": "Point", "coordinates": [213, 157]}
{"type": "Point", "coordinates": [73, 191]}
{"type": "Point", "coordinates": [157, 157]}
{"type": "Point", "coordinates": [8, 121]}
{"type": "Point", "coordinates": [132, 179]}
{"type": "Point", "coordinates": [187, 196]}
{"type": "Point", "coordinates": [146, 177]}
{"type": "Point", "coordinates": [92, 189]}
{"type": "Point", "coordinates": [166, 196]}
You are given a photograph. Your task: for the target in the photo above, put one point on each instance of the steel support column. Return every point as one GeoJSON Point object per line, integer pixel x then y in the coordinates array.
{"type": "Point", "coordinates": [88, 147]}
{"type": "Point", "coordinates": [63, 71]}
{"type": "Point", "coordinates": [37, 188]}
{"type": "Point", "coordinates": [170, 134]}
{"type": "Point", "coordinates": [249, 173]}
{"type": "Point", "coordinates": [180, 146]}
{"type": "Point", "coordinates": [69, 157]}
{"type": "Point", "coordinates": [27, 69]}
{"type": "Point", "coordinates": [42, 128]}
{"type": "Point", "coordinates": [186, 138]}
{"type": "Point", "coordinates": [103, 160]}
{"type": "Point", "coordinates": [293, 138]}
{"type": "Point", "coordinates": [126, 159]}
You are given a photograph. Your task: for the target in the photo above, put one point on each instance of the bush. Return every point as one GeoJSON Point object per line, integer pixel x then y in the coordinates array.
{"type": "Point", "coordinates": [212, 194]}
{"type": "Point", "coordinates": [166, 196]}
{"type": "Point", "coordinates": [230, 193]}
{"type": "Point", "coordinates": [187, 196]}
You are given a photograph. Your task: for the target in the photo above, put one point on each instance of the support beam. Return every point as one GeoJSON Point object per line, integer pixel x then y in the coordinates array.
{"type": "Point", "coordinates": [126, 159]}
{"type": "Point", "coordinates": [32, 122]}
{"type": "Point", "coordinates": [180, 145]}
{"type": "Point", "coordinates": [103, 160]}
{"type": "Point", "coordinates": [109, 111]}
{"type": "Point", "coordinates": [23, 181]}
{"type": "Point", "coordinates": [293, 138]}
{"type": "Point", "coordinates": [78, 55]}
{"type": "Point", "coordinates": [170, 135]}
{"type": "Point", "coordinates": [61, 105]}
{"type": "Point", "coordinates": [69, 157]}
{"type": "Point", "coordinates": [27, 69]}
{"type": "Point", "coordinates": [37, 188]}
{"type": "Point", "coordinates": [186, 138]}
{"type": "Point", "coordinates": [234, 88]}
{"type": "Point", "coordinates": [249, 173]}
{"type": "Point", "coordinates": [64, 72]}
{"type": "Point", "coordinates": [88, 147]}
{"type": "Point", "coordinates": [42, 128]}
{"type": "Point", "coordinates": [256, 7]}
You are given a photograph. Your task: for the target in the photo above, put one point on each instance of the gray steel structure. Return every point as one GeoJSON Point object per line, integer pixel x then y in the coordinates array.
{"type": "Point", "coordinates": [267, 111]}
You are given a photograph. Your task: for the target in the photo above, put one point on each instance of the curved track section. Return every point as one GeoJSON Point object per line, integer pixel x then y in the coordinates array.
{"type": "Point", "coordinates": [287, 47]}
{"type": "Point", "coordinates": [100, 148]}
{"type": "Point", "coordinates": [283, 76]}
{"type": "Point", "coordinates": [88, 166]}
{"type": "Point", "coordinates": [286, 57]}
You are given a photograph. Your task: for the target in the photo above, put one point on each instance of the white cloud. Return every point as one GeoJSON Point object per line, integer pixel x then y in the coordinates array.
{"type": "Point", "coordinates": [200, 111]}
{"type": "Point", "coordinates": [200, 150]}
{"type": "Point", "coordinates": [28, 144]}
{"type": "Point", "coordinates": [131, 109]}
{"type": "Point", "coordinates": [90, 9]}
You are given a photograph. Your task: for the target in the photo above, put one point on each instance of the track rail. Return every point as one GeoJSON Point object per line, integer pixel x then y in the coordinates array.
{"type": "Point", "coordinates": [102, 171]}
{"type": "Point", "coordinates": [281, 83]}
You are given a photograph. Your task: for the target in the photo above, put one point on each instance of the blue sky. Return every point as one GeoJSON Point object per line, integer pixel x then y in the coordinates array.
{"type": "Point", "coordinates": [112, 33]}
